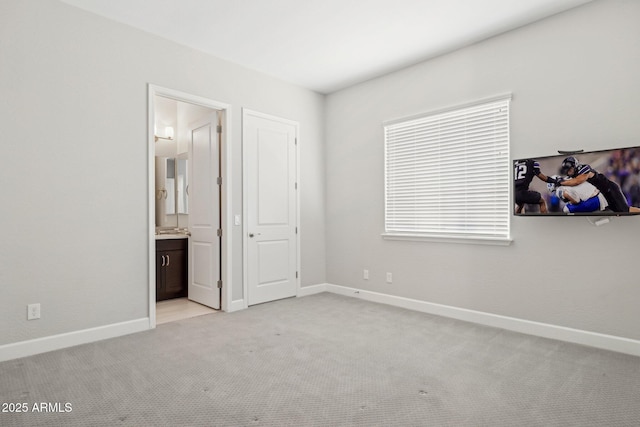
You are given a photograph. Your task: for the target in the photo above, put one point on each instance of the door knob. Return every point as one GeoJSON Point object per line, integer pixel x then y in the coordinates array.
{"type": "Point", "coordinates": [251, 234]}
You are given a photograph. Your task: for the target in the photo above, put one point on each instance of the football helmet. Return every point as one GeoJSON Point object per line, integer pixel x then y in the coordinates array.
{"type": "Point", "coordinates": [568, 163]}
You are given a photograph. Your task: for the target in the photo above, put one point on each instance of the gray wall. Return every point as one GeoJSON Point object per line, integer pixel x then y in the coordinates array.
{"type": "Point", "coordinates": [574, 79]}
{"type": "Point", "coordinates": [73, 181]}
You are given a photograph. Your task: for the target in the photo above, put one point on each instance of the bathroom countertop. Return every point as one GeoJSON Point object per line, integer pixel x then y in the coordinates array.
{"type": "Point", "coordinates": [171, 236]}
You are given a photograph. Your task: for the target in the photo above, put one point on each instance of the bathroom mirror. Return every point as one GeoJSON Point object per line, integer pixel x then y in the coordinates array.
{"type": "Point", "coordinates": [172, 192]}
{"type": "Point", "coordinates": [182, 187]}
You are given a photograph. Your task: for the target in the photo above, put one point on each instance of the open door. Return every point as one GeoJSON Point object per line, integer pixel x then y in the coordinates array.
{"type": "Point", "coordinates": [204, 216]}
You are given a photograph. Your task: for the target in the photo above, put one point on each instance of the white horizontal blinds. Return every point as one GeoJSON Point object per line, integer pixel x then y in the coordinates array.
{"type": "Point", "coordinates": [448, 174]}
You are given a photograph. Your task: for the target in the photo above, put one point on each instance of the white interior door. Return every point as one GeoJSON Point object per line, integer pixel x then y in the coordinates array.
{"type": "Point", "coordinates": [269, 146]}
{"type": "Point", "coordinates": [204, 213]}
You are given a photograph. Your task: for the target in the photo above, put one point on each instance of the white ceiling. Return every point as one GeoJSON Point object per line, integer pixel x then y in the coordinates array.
{"type": "Point", "coordinates": [326, 45]}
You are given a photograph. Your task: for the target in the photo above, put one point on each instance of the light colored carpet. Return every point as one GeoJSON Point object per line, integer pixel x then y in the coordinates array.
{"type": "Point", "coordinates": [326, 360]}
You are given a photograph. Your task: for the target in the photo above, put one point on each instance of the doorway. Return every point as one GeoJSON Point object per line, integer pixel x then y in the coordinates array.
{"type": "Point", "coordinates": [184, 126]}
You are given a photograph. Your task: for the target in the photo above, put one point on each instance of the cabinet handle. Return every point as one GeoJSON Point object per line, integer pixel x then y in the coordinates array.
{"type": "Point", "coordinates": [167, 260]}
{"type": "Point", "coordinates": [162, 260]}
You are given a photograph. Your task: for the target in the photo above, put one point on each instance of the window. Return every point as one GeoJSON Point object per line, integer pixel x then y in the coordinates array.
{"type": "Point", "coordinates": [447, 174]}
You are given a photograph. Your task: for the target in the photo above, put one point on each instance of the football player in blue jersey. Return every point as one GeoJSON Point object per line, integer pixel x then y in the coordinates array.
{"type": "Point", "coordinates": [611, 191]}
{"type": "Point", "coordinates": [524, 172]}
{"type": "Point", "coordinates": [583, 197]}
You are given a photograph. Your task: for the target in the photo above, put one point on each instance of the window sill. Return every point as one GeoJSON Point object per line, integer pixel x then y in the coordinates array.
{"type": "Point", "coordinates": [448, 239]}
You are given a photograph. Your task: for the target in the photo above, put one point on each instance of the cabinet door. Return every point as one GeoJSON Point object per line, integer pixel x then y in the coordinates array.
{"type": "Point", "coordinates": [160, 275]}
{"type": "Point", "coordinates": [175, 270]}
{"type": "Point", "coordinates": [171, 269]}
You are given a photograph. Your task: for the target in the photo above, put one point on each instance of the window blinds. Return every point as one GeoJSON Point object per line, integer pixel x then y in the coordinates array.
{"type": "Point", "coordinates": [447, 174]}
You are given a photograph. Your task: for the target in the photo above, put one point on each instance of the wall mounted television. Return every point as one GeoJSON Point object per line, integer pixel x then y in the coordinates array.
{"type": "Point", "coordinates": [596, 183]}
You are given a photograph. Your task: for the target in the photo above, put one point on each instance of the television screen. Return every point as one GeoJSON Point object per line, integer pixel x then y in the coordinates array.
{"type": "Point", "coordinates": [590, 183]}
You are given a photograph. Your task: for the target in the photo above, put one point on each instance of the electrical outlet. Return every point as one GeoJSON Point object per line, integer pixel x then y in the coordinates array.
{"type": "Point", "coordinates": [365, 274]}
{"type": "Point", "coordinates": [33, 311]}
{"type": "Point", "coordinates": [389, 278]}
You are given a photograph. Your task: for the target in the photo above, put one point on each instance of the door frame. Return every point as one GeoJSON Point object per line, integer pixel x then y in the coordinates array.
{"type": "Point", "coordinates": [245, 209]}
{"type": "Point", "coordinates": [225, 172]}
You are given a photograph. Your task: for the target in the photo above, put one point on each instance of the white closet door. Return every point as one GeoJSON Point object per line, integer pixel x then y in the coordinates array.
{"type": "Point", "coordinates": [270, 150]}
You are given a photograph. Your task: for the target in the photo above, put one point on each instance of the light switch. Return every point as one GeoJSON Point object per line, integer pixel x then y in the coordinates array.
{"type": "Point", "coordinates": [236, 220]}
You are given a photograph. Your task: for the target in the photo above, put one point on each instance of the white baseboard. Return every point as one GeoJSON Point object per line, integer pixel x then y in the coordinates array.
{"type": "Point", "coordinates": [312, 290]}
{"type": "Point", "coordinates": [545, 330]}
{"type": "Point", "coordinates": [592, 339]}
{"type": "Point", "coordinates": [56, 342]}
{"type": "Point", "coordinates": [236, 306]}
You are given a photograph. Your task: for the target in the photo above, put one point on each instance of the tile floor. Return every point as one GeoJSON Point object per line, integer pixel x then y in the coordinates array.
{"type": "Point", "coordinates": [178, 309]}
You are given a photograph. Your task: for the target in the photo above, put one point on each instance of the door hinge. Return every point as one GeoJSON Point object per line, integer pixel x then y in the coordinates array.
{"type": "Point", "coordinates": [219, 232]}
{"type": "Point", "coordinates": [296, 185]}
{"type": "Point", "coordinates": [296, 141]}
{"type": "Point", "coordinates": [219, 284]}
{"type": "Point", "coordinates": [296, 274]}
{"type": "Point", "coordinates": [296, 230]}
{"type": "Point", "coordinates": [219, 180]}
{"type": "Point", "coordinates": [219, 129]}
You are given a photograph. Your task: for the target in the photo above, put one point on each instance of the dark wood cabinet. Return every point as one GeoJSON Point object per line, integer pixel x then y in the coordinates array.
{"type": "Point", "coordinates": [171, 268]}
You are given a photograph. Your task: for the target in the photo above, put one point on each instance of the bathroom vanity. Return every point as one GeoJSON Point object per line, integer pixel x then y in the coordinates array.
{"type": "Point", "coordinates": [171, 266]}
{"type": "Point", "coordinates": [172, 237]}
